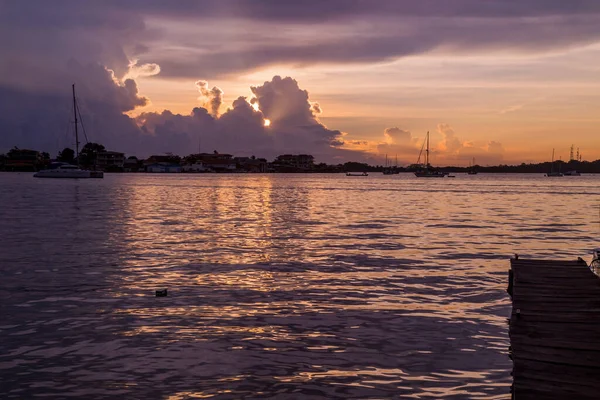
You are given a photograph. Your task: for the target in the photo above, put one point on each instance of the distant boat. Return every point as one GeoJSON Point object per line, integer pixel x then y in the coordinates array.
{"type": "Point", "coordinates": [552, 172]}
{"type": "Point", "coordinates": [426, 170]}
{"type": "Point", "coordinates": [65, 170]}
{"type": "Point", "coordinates": [472, 170]}
{"type": "Point", "coordinates": [356, 174]}
{"type": "Point", "coordinates": [572, 173]}
{"type": "Point", "coordinates": [391, 169]}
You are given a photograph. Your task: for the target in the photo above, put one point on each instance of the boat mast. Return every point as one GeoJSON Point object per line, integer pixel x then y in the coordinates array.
{"type": "Point", "coordinates": [552, 165]}
{"type": "Point", "coordinates": [427, 152]}
{"type": "Point", "coordinates": [76, 133]}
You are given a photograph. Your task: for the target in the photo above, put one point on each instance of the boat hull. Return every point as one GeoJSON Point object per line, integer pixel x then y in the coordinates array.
{"type": "Point", "coordinates": [428, 175]}
{"type": "Point", "coordinates": [62, 174]}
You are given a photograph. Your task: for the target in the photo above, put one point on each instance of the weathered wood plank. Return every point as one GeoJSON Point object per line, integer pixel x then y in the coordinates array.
{"type": "Point", "coordinates": [555, 336]}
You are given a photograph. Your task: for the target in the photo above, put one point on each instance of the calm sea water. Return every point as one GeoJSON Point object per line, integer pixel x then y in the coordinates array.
{"type": "Point", "coordinates": [280, 286]}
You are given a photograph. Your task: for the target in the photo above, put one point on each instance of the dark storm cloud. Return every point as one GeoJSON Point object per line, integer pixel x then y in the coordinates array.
{"type": "Point", "coordinates": [319, 10]}
{"type": "Point", "coordinates": [387, 38]}
{"type": "Point", "coordinates": [230, 36]}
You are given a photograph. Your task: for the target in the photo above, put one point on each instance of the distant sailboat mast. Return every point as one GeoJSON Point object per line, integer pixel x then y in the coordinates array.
{"type": "Point", "coordinates": [76, 133]}
{"type": "Point", "coordinates": [427, 152]}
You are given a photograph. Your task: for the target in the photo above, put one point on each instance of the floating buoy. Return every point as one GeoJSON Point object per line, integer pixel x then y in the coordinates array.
{"type": "Point", "coordinates": [161, 293]}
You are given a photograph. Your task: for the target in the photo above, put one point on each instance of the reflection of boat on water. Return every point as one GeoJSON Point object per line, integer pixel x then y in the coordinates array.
{"type": "Point", "coordinates": [65, 170]}
{"type": "Point", "coordinates": [552, 172]}
{"type": "Point", "coordinates": [426, 170]}
{"type": "Point", "coordinates": [356, 174]}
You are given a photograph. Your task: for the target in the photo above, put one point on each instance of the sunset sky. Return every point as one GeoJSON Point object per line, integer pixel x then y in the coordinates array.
{"type": "Point", "coordinates": [499, 80]}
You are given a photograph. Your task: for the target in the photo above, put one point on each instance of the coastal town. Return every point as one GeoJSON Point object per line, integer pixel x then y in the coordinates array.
{"type": "Point", "coordinates": [96, 157]}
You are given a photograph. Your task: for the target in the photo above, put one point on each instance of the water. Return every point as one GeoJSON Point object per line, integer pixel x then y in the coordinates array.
{"type": "Point", "coordinates": [280, 286]}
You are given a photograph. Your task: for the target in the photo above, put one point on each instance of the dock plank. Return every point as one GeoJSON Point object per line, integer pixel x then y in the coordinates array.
{"type": "Point", "coordinates": [554, 329]}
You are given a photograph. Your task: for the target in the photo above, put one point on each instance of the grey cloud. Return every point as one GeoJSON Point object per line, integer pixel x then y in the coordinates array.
{"type": "Point", "coordinates": [40, 36]}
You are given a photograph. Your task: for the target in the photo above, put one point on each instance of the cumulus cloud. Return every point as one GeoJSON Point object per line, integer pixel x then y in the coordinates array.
{"type": "Point", "coordinates": [316, 109]}
{"type": "Point", "coordinates": [495, 147]}
{"type": "Point", "coordinates": [212, 98]}
{"type": "Point", "coordinates": [452, 149]}
{"type": "Point", "coordinates": [450, 143]}
{"type": "Point", "coordinates": [241, 129]}
{"type": "Point", "coordinates": [397, 135]}
{"type": "Point", "coordinates": [292, 117]}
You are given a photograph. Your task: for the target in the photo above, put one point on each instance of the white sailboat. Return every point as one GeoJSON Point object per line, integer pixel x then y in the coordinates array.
{"type": "Point", "coordinates": [65, 170]}
{"type": "Point", "coordinates": [426, 171]}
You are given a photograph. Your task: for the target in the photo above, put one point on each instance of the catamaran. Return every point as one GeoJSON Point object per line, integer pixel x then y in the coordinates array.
{"type": "Point", "coordinates": [426, 170]}
{"type": "Point", "coordinates": [65, 170]}
{"type": "Point", "coordinates": [552, 172]}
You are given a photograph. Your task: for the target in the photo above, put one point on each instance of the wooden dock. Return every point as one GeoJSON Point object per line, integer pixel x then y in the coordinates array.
{"type": "Point", "coordinates": [554, 330]}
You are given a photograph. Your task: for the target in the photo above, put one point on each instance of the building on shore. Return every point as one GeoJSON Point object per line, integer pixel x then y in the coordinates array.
{"type": "Point", "coordinates": [23, 160]}
{"type": "Point", "coordinates": [163, 167]}
{"type": "Point", "coordinates": [194, 166]}
{"type": "Point", "coordinates": [251, 164]}
{"type": "Point", "coordinates": [293, 163]}
{"type": "Point", "coordinates": [132, 164]}
{"type": "Point", "coordinates": [110, 160]}
{"type": "Point", "coordinates": [211, 162]}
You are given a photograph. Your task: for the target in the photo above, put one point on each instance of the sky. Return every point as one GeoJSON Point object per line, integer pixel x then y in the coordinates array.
{"type": "Point", "coordinates": [501, 81]}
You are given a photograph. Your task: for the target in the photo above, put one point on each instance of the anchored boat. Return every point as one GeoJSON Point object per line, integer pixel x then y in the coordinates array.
{"type": "Point", "coordinates": [65, 170]}
{"type": "Point", "coordinates": [426, 170]}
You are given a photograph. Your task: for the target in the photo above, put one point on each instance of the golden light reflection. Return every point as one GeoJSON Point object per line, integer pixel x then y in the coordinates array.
{"type": "Point", "coordinates": [267, 122]}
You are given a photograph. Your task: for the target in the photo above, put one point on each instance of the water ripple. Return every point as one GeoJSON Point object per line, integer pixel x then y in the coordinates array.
{"type": "Point", "coordinates": [295, 286]}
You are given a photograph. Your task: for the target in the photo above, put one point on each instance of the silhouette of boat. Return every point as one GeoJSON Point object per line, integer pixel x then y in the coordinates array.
{"type": "Point", "coordinates": [552, 172]}
{"type": "Point", "coordinates": [426, 170]}
{"type": "Point", "coordinates": [472, 170]}
{"type": "Point", "coordinates": [64, 170]}
{"type": "Point", "coordinates": [391, 169]}
{"type": "Point", "coordinates": [356, 174]}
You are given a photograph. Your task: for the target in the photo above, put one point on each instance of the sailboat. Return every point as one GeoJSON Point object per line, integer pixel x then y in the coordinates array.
{"type": "Point", "coordinates": [553, 173]}
{"type": "Point", "coordinates": [65, 170]}
{"type": "Point", "coordinates": [472, 170]}
{"type": "Point", "coordinates": [391, 169]}
{"type": "Point", "coordinates": [426, 171]}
